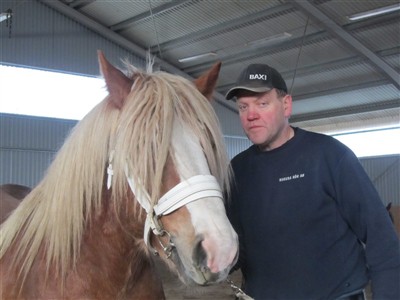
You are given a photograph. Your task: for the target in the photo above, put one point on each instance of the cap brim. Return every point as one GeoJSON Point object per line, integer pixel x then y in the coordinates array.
{"type": "Point", "coordinates": [233, 91]}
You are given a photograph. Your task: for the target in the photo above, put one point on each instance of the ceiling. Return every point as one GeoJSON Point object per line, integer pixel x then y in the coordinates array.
{"type": "Point", "coordinates": [343, 74]}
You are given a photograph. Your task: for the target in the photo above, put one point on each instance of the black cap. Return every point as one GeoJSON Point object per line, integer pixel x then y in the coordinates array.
{"type": "Point", "coordinates": [257, 78]}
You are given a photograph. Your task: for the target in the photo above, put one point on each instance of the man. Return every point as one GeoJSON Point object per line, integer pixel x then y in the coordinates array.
{"type": "Point", "coordinates": [311, 224]}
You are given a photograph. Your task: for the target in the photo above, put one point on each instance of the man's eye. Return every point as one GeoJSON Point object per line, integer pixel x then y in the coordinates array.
{"type": "Point", "coordinates": [262, 104]}
{"type": "Point", "coordinates": [242, 107]}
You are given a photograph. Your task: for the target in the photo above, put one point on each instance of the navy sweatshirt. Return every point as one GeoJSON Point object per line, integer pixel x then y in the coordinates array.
{"type": "Point", "coordinates": [311, 224]}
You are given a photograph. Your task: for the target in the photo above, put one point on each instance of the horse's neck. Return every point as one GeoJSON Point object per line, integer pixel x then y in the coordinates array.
{"type": "Point", "coordinates": [113, 253]}
{"type": "Point", "coordinates": [113, 264]}
{"type": "Point", "coordinates": [113, 261]}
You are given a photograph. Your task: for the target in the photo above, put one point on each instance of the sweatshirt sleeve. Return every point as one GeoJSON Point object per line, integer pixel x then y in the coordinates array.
{"type": "Point", "coordinates": [366, 215]}
{"type": "Point", "coordinates": [232, 213]}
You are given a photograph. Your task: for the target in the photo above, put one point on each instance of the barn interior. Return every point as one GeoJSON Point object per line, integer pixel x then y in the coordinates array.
{"type": "Point", "coordinates": [340, 60]}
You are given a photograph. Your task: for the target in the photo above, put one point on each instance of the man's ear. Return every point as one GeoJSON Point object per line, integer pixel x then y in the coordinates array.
{"type": "Point", "coordinates": [288, 105]}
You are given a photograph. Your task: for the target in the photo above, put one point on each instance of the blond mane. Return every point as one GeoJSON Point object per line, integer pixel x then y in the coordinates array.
{"type": "Point", "coordinates": [56, 213]}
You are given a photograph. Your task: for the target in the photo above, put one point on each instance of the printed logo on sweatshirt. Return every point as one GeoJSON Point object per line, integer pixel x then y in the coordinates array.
{"type": "Point", "coordinates": [291, 177]}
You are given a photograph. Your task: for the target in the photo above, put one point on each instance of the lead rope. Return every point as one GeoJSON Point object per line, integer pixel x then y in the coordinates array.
{"type": "Point", "coordinates": [239, 294]}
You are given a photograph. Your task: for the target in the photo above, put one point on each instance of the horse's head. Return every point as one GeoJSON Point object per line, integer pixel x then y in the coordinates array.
{"type": "Point", "coordinates": [169, 149]}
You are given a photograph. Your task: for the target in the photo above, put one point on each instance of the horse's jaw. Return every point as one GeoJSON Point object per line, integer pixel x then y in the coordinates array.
{"type": "Point", "coordinates": [204, 250]}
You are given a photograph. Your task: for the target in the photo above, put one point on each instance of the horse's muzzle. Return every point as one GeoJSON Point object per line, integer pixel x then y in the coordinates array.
{"type": "Point", "coordinates": [201, 261]}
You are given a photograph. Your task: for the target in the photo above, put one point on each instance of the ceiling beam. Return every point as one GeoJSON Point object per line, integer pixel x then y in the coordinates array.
{"type": "Point", "coordinates": [77, 4]}
{"type": "Point", "coordinates": [341, 89]}
{"type": "Point", "coordinates": [317, 15]}
{"type": "Point", "coordinates": [344, 111]}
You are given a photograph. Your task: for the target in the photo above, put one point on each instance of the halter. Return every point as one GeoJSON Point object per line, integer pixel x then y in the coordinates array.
{"type": "Point", "coordinates": [195, 188]}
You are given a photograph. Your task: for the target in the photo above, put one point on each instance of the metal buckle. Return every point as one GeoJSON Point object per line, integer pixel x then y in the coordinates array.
{"type": "Point", "coordinates": [170, 247]}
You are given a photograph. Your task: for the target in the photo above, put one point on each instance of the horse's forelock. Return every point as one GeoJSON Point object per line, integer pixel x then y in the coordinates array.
{"type": "Point", "coordinates": [146, 126]}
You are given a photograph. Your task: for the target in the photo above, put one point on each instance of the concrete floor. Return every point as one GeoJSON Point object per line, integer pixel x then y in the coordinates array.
{"type": "Point", "coordinates": [175, 290]}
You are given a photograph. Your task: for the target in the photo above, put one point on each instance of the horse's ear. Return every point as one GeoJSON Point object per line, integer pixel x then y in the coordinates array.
{"type": "Point", "coordinates": [206, 83]}
{"type": "Point", "coordinates": [118, 85]}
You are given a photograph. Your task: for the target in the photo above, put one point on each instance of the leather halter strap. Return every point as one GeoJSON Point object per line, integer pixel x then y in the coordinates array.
{"type": "Point", "coordinates": [192, 189]}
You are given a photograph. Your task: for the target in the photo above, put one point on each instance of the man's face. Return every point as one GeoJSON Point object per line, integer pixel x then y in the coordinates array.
{"type": "Point", "coordinates": [264, 116]}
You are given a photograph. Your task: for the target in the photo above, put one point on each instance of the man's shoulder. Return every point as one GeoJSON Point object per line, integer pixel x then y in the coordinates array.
{"type": "Point", "coordinates": [324, 146]}
{"type": "Point", "coordinates": [244, 155]}
{"type": "Point", "coordinates": [318, 138]}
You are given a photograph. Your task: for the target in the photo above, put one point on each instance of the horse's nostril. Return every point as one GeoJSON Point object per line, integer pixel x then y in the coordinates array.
{"type": "Point", "coordinates": [200, 255]}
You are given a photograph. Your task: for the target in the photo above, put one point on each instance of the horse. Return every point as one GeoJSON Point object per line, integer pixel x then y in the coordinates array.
{"type": "Point", "coordinates": [142, 174]}
{"type": "Point", "coordinates": [388, 208]}
{"type": "Point", "coordinates": [17, 191]}
{"type": "Point", "coordinates": [10, 197]}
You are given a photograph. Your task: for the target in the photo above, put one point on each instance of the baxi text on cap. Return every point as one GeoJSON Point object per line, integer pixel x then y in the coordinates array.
{"type": "Point", "coordinates": [257, 78]}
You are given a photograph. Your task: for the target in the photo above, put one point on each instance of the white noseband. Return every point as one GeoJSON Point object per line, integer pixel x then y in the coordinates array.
{"type": "Point", "coordinates": [192, 189]}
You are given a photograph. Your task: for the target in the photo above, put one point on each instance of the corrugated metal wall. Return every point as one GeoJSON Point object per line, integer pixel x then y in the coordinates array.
{"type": "Point", "coordinates": [28, 145]}
{"type": "Point", "coordinates": [236, 144]}
{"type": "Point", "coordinates": [229, 120]}
{"type": "Point", "coordinates": [385, 174]}
{"type": "Point", "coordinates": [42, 38]}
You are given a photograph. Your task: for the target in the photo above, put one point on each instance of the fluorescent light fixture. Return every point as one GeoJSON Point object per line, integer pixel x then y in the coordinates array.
{"type": "Point", "coordinates": [374, 12]}
{"type": "Point", "coordinates": [4, 16]}
{"type": "Point", "coordinates": [197, 57]}
{"type": "Point", "coordinates": [270, 39]}
{"type": "Point", "coordinates": [239, 48]}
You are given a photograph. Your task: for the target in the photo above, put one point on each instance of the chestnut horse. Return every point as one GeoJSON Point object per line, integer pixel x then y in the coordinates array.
{"type": "Point", "coordinates": [142, 173]}
{"type": "Point", "coordinates": [10, 197]}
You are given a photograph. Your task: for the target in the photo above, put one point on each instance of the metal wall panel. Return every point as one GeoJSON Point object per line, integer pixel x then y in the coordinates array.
{"type": "Point", "coordinates": [229, 120]}
{"type": "Point", "coordinates": [33, 133]}
{"type": "Point", "coordinates": [40, 37]}
{"type": "Point", "coordinates": [385, 174]}
{"type": "Point", "coordinates": [235, 145]}
{"type": "Point", "coordinates": [26, 167]}
{"type": "Point", "coordinates": [28, 145]}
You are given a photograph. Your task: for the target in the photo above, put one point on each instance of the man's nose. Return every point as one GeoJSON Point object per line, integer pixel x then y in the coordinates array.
{"type": "Point", "coordinates": [252, 113]}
